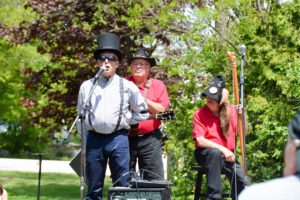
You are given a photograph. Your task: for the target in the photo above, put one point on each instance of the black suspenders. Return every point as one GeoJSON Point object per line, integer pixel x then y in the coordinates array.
{"type": "Point", "coordinates": [120, 111]}
{"type": "Point", "coordinates": [121, 104]}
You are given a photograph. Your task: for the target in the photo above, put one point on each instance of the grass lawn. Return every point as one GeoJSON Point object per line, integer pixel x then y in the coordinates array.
{"type": "Point", "coordinates": [24, 186]}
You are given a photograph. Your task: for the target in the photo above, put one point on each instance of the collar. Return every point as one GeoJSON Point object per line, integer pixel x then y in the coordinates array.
{"type": "Point", "coordinates": [147, 84]}
{"type": "Point", "coordinates": [103, 80]}
{"type": "Point", "coordinates": [209, 112]}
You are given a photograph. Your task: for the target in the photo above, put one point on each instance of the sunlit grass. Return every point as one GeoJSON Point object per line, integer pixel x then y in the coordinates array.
{"type": "Point", "coordinates": [24, 186]}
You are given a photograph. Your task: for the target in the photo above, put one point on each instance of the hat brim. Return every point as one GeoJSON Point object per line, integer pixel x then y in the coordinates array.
{"type": "Point", "coordinates": [294, 126]}
{"type": "Point", "coordinates": [150, 60]}
{"type": "Point", "coordinates": [216, 96]}
{"type": "Point", "coordinates": [118, 53]}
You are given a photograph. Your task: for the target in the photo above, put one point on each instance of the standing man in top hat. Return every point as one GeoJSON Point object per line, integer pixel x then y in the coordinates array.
{"type": "Point", "coordinates": [115, 104]}
{"type": "Point", "coordinates": [145, 144]}
{"type": "Point", "coordinates": [214, 129]}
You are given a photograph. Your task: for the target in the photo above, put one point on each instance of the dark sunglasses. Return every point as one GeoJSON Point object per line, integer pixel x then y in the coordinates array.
{"type": "Point", "coordinates": [102, 57]}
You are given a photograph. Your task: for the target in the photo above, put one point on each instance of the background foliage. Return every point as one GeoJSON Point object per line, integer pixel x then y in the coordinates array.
{"type": "Point", "coordinates": [46, 52]}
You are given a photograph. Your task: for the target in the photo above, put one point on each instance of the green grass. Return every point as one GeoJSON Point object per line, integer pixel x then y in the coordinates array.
{"type": "Point", "coordinates": [24, 186]}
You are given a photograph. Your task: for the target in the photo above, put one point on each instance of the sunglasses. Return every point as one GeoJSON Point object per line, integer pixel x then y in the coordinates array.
{"type": "Point", "coordinates": [139, 64]}
{"type": "Point", "coordinates": [102, 57]}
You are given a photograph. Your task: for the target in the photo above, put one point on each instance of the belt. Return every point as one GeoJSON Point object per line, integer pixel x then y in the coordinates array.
{"type": "Point", "coordinates": [139, 135]}
{"type": "Point", "coordinates": [106, 134]}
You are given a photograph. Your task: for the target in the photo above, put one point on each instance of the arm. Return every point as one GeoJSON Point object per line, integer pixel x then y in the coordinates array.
{"type": "Point", "coordinates": [205, 143]}
{"type": "Point", "coordinates": [154, 107]}
{"type": "Point", "coordinates": [80, 102]}
{"type": "Point", "coordinates": [199, 132]}
{"type": "Point", "coordinates": [138, 105]}
{"type": "Point", "coordinates": [161, 103]}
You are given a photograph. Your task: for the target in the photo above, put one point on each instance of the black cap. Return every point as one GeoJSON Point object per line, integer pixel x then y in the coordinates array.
{"type": "Point", "coordinates": [108, 42]}
{"type": "Point", "coordinates": [140, 53]}
{"type": "Point", "coordinates": [215, 88]}
{"type": "Point", "coordinates": [294, 126]}
{"type": "Point", "coordinates": [294, 132]}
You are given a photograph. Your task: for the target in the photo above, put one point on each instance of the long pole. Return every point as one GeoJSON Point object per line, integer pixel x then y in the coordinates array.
{"type": "Point", "coordinates": [242, 80]}
{"type": "Point", "coordinates": [40, 155]}
{"type": "Point", "coordinates": [232, 58]}
{"type": "Point", "coordinates": [82, 158]}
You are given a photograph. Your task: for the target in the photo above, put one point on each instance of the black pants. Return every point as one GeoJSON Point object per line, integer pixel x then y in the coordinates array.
{"type": "Point", "coordinates": [148, 151]}
{"type": "Point", "coordinates": [215, 163]}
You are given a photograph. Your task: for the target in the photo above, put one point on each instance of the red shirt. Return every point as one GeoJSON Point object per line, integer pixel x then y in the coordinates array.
{"type": "Point", "coordinates": [157, 93]}
{"type": "Point", "coordinates": [208, 125]}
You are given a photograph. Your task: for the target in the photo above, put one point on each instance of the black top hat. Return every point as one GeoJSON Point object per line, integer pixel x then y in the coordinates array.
{"type": "Point", "coordinates": [108, 42]}
{"type": "Point", "coordinates": [140, 53]}
{"type": "Point", "coordinates": [215, 88]}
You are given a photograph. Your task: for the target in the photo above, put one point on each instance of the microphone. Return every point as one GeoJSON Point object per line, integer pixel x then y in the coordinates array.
{"type": "Point", "coordinates": [243, 49]}
{"type": "Point", "coordinates": [101, 70]}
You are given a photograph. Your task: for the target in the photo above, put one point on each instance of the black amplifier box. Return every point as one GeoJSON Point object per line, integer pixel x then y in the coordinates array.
{"type": "Point", "coordinates": [126, 193]}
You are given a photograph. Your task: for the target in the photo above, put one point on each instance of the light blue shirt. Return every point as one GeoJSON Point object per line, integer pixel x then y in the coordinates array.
{"type": "Point", "coordinates": [103, 110]}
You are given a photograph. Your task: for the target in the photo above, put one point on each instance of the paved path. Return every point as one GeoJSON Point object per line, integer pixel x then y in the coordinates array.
{"type": "Point", "coordinates": [31, 165]}
{"type": "Point", "coordinates": [48, 166]}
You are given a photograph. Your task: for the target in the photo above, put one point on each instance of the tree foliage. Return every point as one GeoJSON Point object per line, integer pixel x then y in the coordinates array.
{"type": "Point", "coordinates": [16, 102]}
{"type": "Point", "coordinates": [190, 38]}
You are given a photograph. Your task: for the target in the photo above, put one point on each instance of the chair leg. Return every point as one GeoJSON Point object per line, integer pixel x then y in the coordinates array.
{"type": "Point", "coordinates": [198, 186]}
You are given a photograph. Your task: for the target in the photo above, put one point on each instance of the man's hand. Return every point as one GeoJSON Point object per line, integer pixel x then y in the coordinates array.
{"type": "Point", "coordinates": [205, 143]}
{"type": "Point", "coordinates": [228, 155]}
{"type": "Point", "coordinates": [239, 109]}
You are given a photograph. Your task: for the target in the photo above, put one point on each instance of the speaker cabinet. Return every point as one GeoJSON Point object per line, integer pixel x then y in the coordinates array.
{"type": "Point", "coordinates": [126, 193]}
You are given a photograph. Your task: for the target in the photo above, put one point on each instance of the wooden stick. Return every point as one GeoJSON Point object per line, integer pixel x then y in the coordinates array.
{"type": "Point", "coordinates": [232, 58]}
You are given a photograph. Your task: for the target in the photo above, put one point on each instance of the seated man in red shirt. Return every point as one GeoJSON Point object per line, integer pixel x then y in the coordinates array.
{"type": "Point", "coordinates": [214, 128]}
{"type": "Point", "coordinates": [145, 145]}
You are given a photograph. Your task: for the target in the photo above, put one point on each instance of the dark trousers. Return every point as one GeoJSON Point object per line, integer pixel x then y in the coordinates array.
{"type": "Point", "coordinates": [148, 151]}
{"type": "Point", "coordinates": [215, 163]}
{"type": "Point", "coordinates": [100, 149]}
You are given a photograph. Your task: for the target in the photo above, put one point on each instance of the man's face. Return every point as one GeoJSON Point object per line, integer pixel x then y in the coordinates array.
{"type": "Point", "coordinates": [290, 166]}
{"type": "Point", "coordinates": [140, 68]}
{"type": "Point", "coordinates": [110, 61]}
{"type": "Point", "coordinates": [212, 104]}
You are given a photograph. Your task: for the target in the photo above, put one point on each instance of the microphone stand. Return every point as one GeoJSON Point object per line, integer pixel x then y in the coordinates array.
{"type": "Point", "coordinates": [81, 117]}
{"type": "Point", "coordinates": [242, 79]}
{"type": "Point", "coordinates": [40, 155]}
